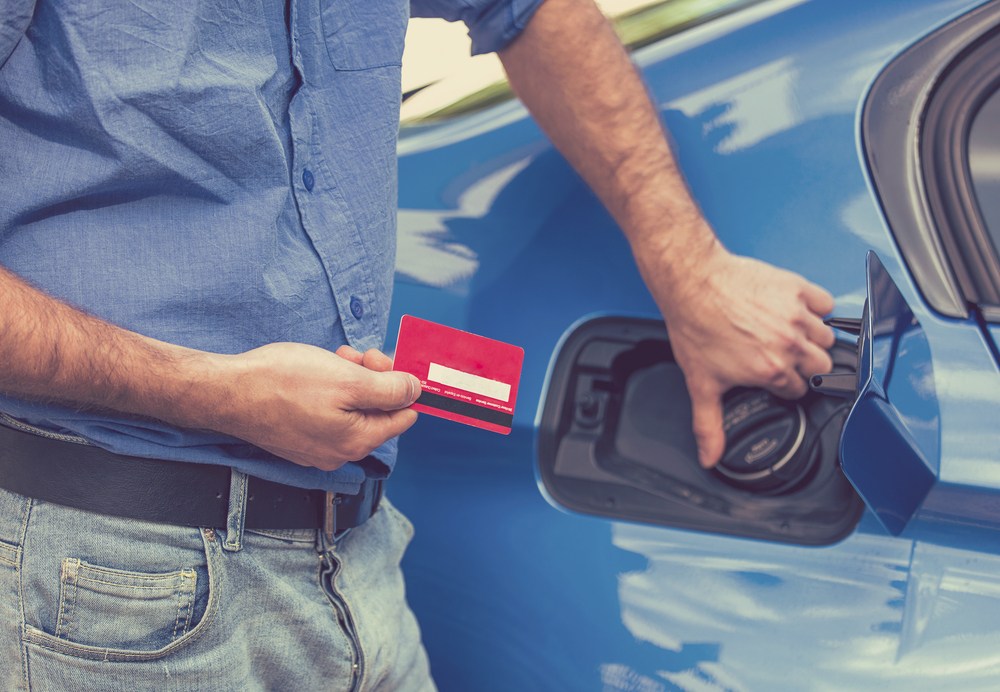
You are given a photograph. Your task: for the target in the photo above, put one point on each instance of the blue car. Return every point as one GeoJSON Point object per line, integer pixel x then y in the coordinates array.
{"type": "Point", "coordinates": [848, 541]}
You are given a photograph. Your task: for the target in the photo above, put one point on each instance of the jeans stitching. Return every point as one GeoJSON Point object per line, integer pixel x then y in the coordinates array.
{"type": "Point", "coordinates": [26, 514]}
{"type": "Point", "coordinates": [15, 555]}
{"type": "Point", "coordinates": [177, 578]}
{"type": "Point", "coordinates": [173, 587]}
{"type": "Point", "coordinates": [185, 594]}
{"type": "Point", "coordinates": [283, 534]}
{"type": "Point", "coordinates": [45, 641]}
{"type": "Point", "coordinates": [67, 597]}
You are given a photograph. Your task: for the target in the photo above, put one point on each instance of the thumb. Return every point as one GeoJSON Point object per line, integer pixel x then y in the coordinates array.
{"type": "Point", "coordinates": [388, 391]}
{"type": "Point", "coordinates": [706, 410]}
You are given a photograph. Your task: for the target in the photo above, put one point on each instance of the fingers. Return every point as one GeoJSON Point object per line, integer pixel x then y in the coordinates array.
{"type": "Point", "coordinates": [792, 381]}
{"type": "Point", "coordinates": [394, 390]}
{"type": "Point", "coordinates": [372, 428]}
{"type": "Point", "coordinates": [818, 299]}
{"type": "Point", "coordinates": [706, 412]}
{"type": "Point", "coordinates": [790, 386]}
{"type": "Point", "coordinates": [365, 431]}
{"type": "Point", "coordinates": [387, 391]}
{"type": "Point", "coordinates": [318, 409]}
{"type": "Point", "coordinates": [348, 353]}
{"type": "Point", "coordinates": [815, 360]}
{"type": "Point", "coordinates": [376, 360]}
{"type": "Point", "coordinates": [373, 359]}
{"type": "Point", "coordinates": [368, 431]}
{"type": "Point", "coordinates": [817, 332]}
{"type": "Point", "coordinates": [392, 423]}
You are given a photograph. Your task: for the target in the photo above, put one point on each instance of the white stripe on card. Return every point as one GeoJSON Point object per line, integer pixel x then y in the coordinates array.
{"type": "Point", "coordinates": [468, 382]}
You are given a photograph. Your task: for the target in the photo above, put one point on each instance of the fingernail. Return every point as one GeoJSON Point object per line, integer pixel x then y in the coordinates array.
{"type": "Point", "coordinates": [415, 388]}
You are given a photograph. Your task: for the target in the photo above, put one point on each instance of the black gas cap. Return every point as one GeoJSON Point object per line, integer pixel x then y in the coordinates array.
{"type": "Point", "coordinates": [615, 439]}
{"type": "Point", "coordinates": [764, 441]}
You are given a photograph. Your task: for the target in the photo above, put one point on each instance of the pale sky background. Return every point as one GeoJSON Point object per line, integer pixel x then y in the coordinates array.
{"type": "Point", "coordinates": [438, 52]}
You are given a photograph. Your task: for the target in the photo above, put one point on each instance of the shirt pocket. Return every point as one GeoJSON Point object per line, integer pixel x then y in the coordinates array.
{"type": "Point", "coordinates": [362, 34]}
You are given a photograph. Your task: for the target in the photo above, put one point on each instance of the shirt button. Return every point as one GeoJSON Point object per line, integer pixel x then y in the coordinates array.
{"type": "Point", "coordinates": [357, 309]}
{"type": "Point", "coordinates": [307, 179]}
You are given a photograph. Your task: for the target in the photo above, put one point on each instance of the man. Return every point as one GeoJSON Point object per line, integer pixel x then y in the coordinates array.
{"type": "Point", "coordinates": [197, 221]}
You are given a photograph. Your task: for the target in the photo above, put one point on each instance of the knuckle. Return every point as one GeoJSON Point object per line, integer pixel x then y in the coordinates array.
{"type": "Point", "coordinates": [356, 450]}
{"type": "Point", "coordinates": [331, 464]}
{"type": "Point", "coordinates": [793, 343]}
{"type": "Point", "coordinates": [781, 380]}
{"type": "Point", "coordinates": [799, 313]}
{"type": "Point", "coordinates": [825, 364]}
{"type": "Point", "coordinates": [796, 391]}
{"type": "Point", "coordinates": [770, 371]}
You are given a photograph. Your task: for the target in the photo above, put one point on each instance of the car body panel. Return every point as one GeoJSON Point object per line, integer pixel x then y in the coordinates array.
{"type": "Point", "coordinates": [889, 447]}
{"type": "Point", "coordinates": [498, 236]}
{"type": "Point", "coordinates": [993, 337]}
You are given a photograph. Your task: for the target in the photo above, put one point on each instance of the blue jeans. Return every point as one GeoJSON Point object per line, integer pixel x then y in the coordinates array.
{"type": "Point", "coordinates": [92, 602]}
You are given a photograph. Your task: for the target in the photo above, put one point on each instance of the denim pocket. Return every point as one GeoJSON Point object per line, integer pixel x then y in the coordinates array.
{"type": "Point", "coordinates": [136, 611]}
{"type": "Point", "coordinates": [363, 35]}
{"type": "Point", "coordinates": [99, 606]}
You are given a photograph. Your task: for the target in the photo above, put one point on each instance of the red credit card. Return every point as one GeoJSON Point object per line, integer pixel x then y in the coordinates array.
{"type": "Point", "coordinates": [465, 377]}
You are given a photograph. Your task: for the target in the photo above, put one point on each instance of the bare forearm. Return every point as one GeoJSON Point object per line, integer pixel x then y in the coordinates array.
{"type": "Point", "coordinates": [51, 351]}
{"type": "Point", "coordinates": [732, 320]}
{"type": "Point", "coordinates": [575, 77]}
{"type": "Point", "coordinates": [301, 402]}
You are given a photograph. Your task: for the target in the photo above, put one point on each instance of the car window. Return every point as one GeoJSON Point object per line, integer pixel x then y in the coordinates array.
{"type": "Point", "coordinates": [984, 163]}
{"type": "Point", "coordinates": [442, 81]}
{"type": "Point", "coordinates": [930, 129]}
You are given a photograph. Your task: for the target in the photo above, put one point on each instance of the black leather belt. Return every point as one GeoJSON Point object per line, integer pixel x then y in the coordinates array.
{"type": "Point", "coordinates": [170, 492]}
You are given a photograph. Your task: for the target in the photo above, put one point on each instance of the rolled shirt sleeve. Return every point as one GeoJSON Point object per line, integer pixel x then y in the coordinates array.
{"type": "Point", "coordinates": [492, 23]}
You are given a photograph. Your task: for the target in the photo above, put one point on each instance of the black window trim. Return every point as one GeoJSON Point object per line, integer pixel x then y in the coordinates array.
{"type": "Point", "coordinates": [914, 130]}
{"type": "Point", "coordinates": [960, 92]}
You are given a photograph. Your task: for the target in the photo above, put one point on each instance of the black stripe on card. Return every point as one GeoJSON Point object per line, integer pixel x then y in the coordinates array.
{"type": "Point", "coordinates": [464, 408]}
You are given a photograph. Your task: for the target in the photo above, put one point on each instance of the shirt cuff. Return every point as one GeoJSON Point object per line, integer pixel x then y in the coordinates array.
{"type": "Point", "coordinates": [380, 463]}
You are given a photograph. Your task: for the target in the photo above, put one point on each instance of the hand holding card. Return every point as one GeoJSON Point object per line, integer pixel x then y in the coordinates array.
{"type": "Point", "coordinates": [464, 377]}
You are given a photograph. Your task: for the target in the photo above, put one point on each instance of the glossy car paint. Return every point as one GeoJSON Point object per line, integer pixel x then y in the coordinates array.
{"type": "Point", "coordinates": [889, 447]}
{"type": "Point", "coordinates": [499, 237]}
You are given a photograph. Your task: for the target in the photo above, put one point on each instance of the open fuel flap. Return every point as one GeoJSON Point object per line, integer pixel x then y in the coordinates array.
{"type": "Point", "coordinates": [615, 440]}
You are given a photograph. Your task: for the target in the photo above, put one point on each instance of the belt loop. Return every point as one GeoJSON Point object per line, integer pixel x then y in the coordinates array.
{"type": "Point", "coordinates": [330, 516]}
{"type": "Point", "coordinates": [237, 511]}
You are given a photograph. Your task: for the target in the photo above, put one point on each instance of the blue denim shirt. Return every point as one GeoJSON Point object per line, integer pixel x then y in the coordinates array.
{"type": "Point", "coordinates": [219, 174]}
